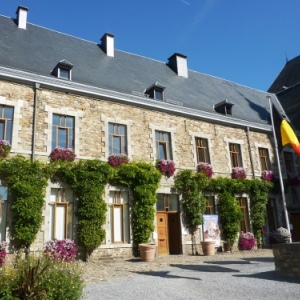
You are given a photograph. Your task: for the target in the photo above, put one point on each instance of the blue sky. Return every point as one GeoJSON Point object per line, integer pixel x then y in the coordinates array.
{"type": "Point", "coordinates": [242, 41]}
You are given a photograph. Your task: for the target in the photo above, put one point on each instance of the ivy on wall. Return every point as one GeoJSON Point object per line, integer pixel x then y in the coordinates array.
{"type": "Point", "coordinates": [27, 182]}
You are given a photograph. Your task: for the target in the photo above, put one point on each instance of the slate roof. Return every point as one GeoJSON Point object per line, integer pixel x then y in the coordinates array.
{"type": "Point", "coordinates": [289, 76]}
{"type": "Point", "coordinates": [38, 50]}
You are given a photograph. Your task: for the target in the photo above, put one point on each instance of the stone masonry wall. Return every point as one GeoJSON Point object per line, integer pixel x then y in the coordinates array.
{"type": "Point", "coordinates": [287, 259]}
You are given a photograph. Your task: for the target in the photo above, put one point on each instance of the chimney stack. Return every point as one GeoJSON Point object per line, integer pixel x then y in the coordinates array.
{"type": "Point", "coordinates": [22, 16]}
{"type": "Point", "coordinates": [108, 45]}
{"type": "Point", "coordinates": [178, 63]}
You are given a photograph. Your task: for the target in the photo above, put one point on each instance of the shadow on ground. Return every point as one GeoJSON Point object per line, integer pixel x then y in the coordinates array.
{"type": "Point", "coordinates": [228, 262]}
{"type": "Point", "coordinates": [165, 274]}
{"type": "Point", "coordinates": [260, 259]}
{"type": "Point", "coordinates": [269, 275]}
{"type": "Point", "coordinates": [204, 268]}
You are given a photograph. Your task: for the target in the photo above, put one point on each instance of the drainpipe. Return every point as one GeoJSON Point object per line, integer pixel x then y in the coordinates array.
{"type": "Point", "coordinates": [250, 153]}
{"type": "Point", "coordinates": [36, 88]}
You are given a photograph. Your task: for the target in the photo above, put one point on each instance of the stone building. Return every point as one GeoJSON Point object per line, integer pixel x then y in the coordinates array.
{"type": "Point", "coordinates": [60, 90]}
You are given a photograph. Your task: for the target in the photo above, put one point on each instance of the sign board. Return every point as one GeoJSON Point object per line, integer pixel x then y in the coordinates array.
{"type": "Point", "coordinates": [211, 231]}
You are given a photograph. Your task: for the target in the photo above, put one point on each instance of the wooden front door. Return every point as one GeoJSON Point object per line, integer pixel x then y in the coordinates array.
{"type": "Point", "coordinates": [162, 232]}
{"type": "Point", "coordinates": [174, 233]}
{"type": "Point", "coordinates": [295, 221]}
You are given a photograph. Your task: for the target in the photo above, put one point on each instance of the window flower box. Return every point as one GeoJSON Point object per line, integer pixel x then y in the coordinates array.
{"type": "Point", "coordinates": [238, 173]}
{"type": "Point", "coordinates": [5, 148]}
{"type": "Point", "coordinates": [246, 241]}
{"type": "Point", "coordinates": [267, 175]}
{"type": "Point", "coordinates": [3, 253]}
{"type": "Point", "coordinates": [117, 160]}
{"type": "Point", "coordinates": [62, 154]}
{"type": "Point", "coordinates": [166, 167]}
{"type": "Point", "coordinates": [293, 179]}
{"type": "Point", "coordinates": [205, 168]}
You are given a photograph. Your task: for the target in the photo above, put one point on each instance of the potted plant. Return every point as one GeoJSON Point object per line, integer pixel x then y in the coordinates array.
{"type": "Point", "coordinates": [230, 216]}
{"type": "Point", "coordinates": [267, 175]}
{"type": "Point", "coordinates": [166, 167]}
{"type": "Point", "coordinates": [238, 173]}
{"type": "Point", "coordinates": [246, 241]}
{"type": "Point", "coordinates": [117, 160]}
{"type": "Point", "coordinates": [205, 168]}
{"type": "Point", "coordinates": [5, 148]}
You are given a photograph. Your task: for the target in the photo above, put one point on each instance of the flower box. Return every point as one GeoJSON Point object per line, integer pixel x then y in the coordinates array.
{"type": "Point", "coordinates": [5, 148]}
{"type": "Point", "coordinates": [267, 175]}
{"type": "Point", "coordinates": [205, 168]}
{"type": "Point", "coordinates": [117, 160]}
{"type": "Point", "coordinates": [239, 173]}
{"type": "Point", "coordinates": [166, 167]}
{"type": "Point", "coordinates": [62, 154]}
{"type": "Point", "coordinates": [246, 241]}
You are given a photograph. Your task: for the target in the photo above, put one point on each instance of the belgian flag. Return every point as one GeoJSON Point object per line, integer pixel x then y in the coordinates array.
{"type": "Point", "coordinates": [284, 133]}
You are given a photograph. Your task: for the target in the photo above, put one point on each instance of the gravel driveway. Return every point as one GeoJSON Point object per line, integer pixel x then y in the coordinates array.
{"type": "Point", "coordinates": [223, 277]}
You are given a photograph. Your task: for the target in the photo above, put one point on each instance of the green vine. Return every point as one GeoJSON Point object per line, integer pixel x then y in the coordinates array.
{"type": "Point", "coordinates": [27, 182]}
{"type": "Point", "coordinates": [143, 179]}
{"type": "Point", "coordinates": [190, 185]}
{"type": "Point", "coordinates": [88, 179]}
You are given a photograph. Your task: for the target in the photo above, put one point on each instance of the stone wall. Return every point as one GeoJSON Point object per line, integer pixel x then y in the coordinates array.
{"type": "Point", "coordinates": [287, 259]}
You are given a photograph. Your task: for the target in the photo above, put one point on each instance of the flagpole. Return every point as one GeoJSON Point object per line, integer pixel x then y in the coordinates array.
{"type": "Point", "coordinates": [280, 172]}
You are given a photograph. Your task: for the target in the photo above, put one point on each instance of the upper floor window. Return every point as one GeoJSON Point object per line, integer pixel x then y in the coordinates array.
{"type": "Point", "coordinates": [288, 161]}
{"type": "Point", "coordinates": [117, 141]}
{"type": "Point", "coordinates": [264, 159]}
{"type": "Point", "coordinates": [6, 122]}
{"type": "Point", "coordinates": [63, 131]}
{"type": "Point", "coordinates": [63, 70]}
{"type": "Point", "coordinates": [202, 150]}
{"type": "Point", "coordinates": [224, 107]}
{"type": "Point", "coordinates": [163, 145]}
{"type": "Point", "coordinates": [64, 73]}
{"type": "Point", "coordinates": [235, 155]}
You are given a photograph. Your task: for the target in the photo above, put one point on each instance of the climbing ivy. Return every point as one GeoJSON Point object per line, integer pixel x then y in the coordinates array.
{"type": "Point", "coordinates": [27, 182]}
{"type": "Point", "coordinates": [143, 179]}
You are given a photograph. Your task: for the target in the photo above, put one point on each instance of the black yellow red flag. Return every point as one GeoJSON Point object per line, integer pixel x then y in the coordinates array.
{"type": "Point", "coordinates": [284, 133]}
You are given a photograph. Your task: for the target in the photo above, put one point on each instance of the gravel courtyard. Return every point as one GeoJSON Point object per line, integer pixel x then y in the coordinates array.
{"type": "Point", "coordinates": [239, 275]}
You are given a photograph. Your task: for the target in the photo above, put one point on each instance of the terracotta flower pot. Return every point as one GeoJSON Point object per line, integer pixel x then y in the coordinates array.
{"type": "Point", "coordinates": [147, 251]}
{"type": "Point", "coordinates": [208, 248]}
{"type": "Point", "coordinates": [227, 247]}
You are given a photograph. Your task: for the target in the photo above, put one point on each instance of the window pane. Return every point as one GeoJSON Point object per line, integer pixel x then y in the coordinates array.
{"type": "Point", "coordinates": [160, 203]}
{"type": "Point", "coordinates": [158, 95]}
{"type": "Point", "coordinates": [166, 136]}
{"type": "Point", "coordinates": [70, 122]}
{"type": "Point", "coordinates": [124, 147]}
{"type": "Point", "coordinates": [71, 139]}
{"type": "Point", "coordinates": [111, 128]}
{"type": "Point", "coordinates": [56, 119]}
{"type": "Point", "coordinates": [62, 138]}
{"type": "Point", "coordinates": [8, 131]}
{"type": "Point", "coordinates": [64, 73]}
{"type": "Point", "coordinates": [162, 151]}
{"type": "Point", "coordinates": [173, 202]}
{"type": "Point", "coordinates": [121, 130]}
{"type": "Point", "coordinates": [54, 137]}
{"type": "Point", "coordinates": [2, 134]}
{"type": "Point", "coordinates": [8, 112]}
{"type": "Point", "coordinates": [1, 111]}
{"type": "Point", "coordinates": [60, 222]}
{"type": "Point", "coordinates": [116, 141]}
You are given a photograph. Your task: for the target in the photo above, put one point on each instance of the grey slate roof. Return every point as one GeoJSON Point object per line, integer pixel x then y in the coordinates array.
{"type": "Point", "coordinates": [38, 50]}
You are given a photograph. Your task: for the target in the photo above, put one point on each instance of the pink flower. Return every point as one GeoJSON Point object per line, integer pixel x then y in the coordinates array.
{"type": "Point", "coordinates": [62, 154]}
{"type": "Point", "coordinates": [205, 168]}
{"type": "Point", "coordinates": [267, 175]}
{"type": "Point", "coordinates": [166, 167]}
{"type": "Point", "coordinates": [238, 173]}
{"type": "Point", "coordinates": [117, 160]}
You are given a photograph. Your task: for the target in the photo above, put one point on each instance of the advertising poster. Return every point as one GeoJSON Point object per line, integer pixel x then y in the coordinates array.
{"type": "Point", "coordinates": [211, 231]}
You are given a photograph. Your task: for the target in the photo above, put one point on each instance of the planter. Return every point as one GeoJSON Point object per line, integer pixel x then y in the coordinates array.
{"type": "Point", "coordinates": [227, 247]}
{"type": "Point", "coordinates": [147, 251]}
{"type": "Point", "coordinates": [208, 248]}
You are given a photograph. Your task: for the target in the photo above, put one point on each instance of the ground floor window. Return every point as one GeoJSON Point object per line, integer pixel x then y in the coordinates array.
{"type": "Point", "coordinates": [61, 214]}
{"type": "Point", "coordinates": [271, 214]}
{"type": "Point", "coordinates": [210, 205]}
{"type": "Point", "coordinates": [3, 212]}
{"type": "Point", "coordinates": [245, 223]}
{"type": "Point", "coordinates": [167, 202]}
{"type": "Point", "coordinates": [119, 216]}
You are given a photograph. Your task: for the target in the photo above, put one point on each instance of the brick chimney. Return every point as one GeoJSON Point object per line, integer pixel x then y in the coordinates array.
{"type": "Point", "coordinates": [22, 16]}
{"type": "Point", "coordinates": [178, 63]}
{"type": "Point", "coordinates": [108, 44]}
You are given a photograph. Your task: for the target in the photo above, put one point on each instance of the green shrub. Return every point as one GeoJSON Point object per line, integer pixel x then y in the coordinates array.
{"type": "Point", "coordinates": [41, 278]}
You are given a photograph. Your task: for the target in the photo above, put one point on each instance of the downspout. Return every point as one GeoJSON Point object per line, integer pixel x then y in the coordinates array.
{"type": "Point", "coordinates": [250, 152]}
{"type": "Point", "coordinates": [36, 88]}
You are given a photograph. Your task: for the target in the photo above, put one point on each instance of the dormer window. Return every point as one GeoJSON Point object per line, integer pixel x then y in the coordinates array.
{"type": "Point", "coordinates": [156, 91]}
{"type": "Point", "coordinates": [224, 107]}
{"type": "Point", "coordinates": [63, 70]}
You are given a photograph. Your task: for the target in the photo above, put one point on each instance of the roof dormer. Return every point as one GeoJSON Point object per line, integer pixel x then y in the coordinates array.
{"type": "Point", "coordinates": [63, 70]}
{"type": "Point", "coordinates": [224, 107]}
{"type": "Point", "coordinates": [155, 91]}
